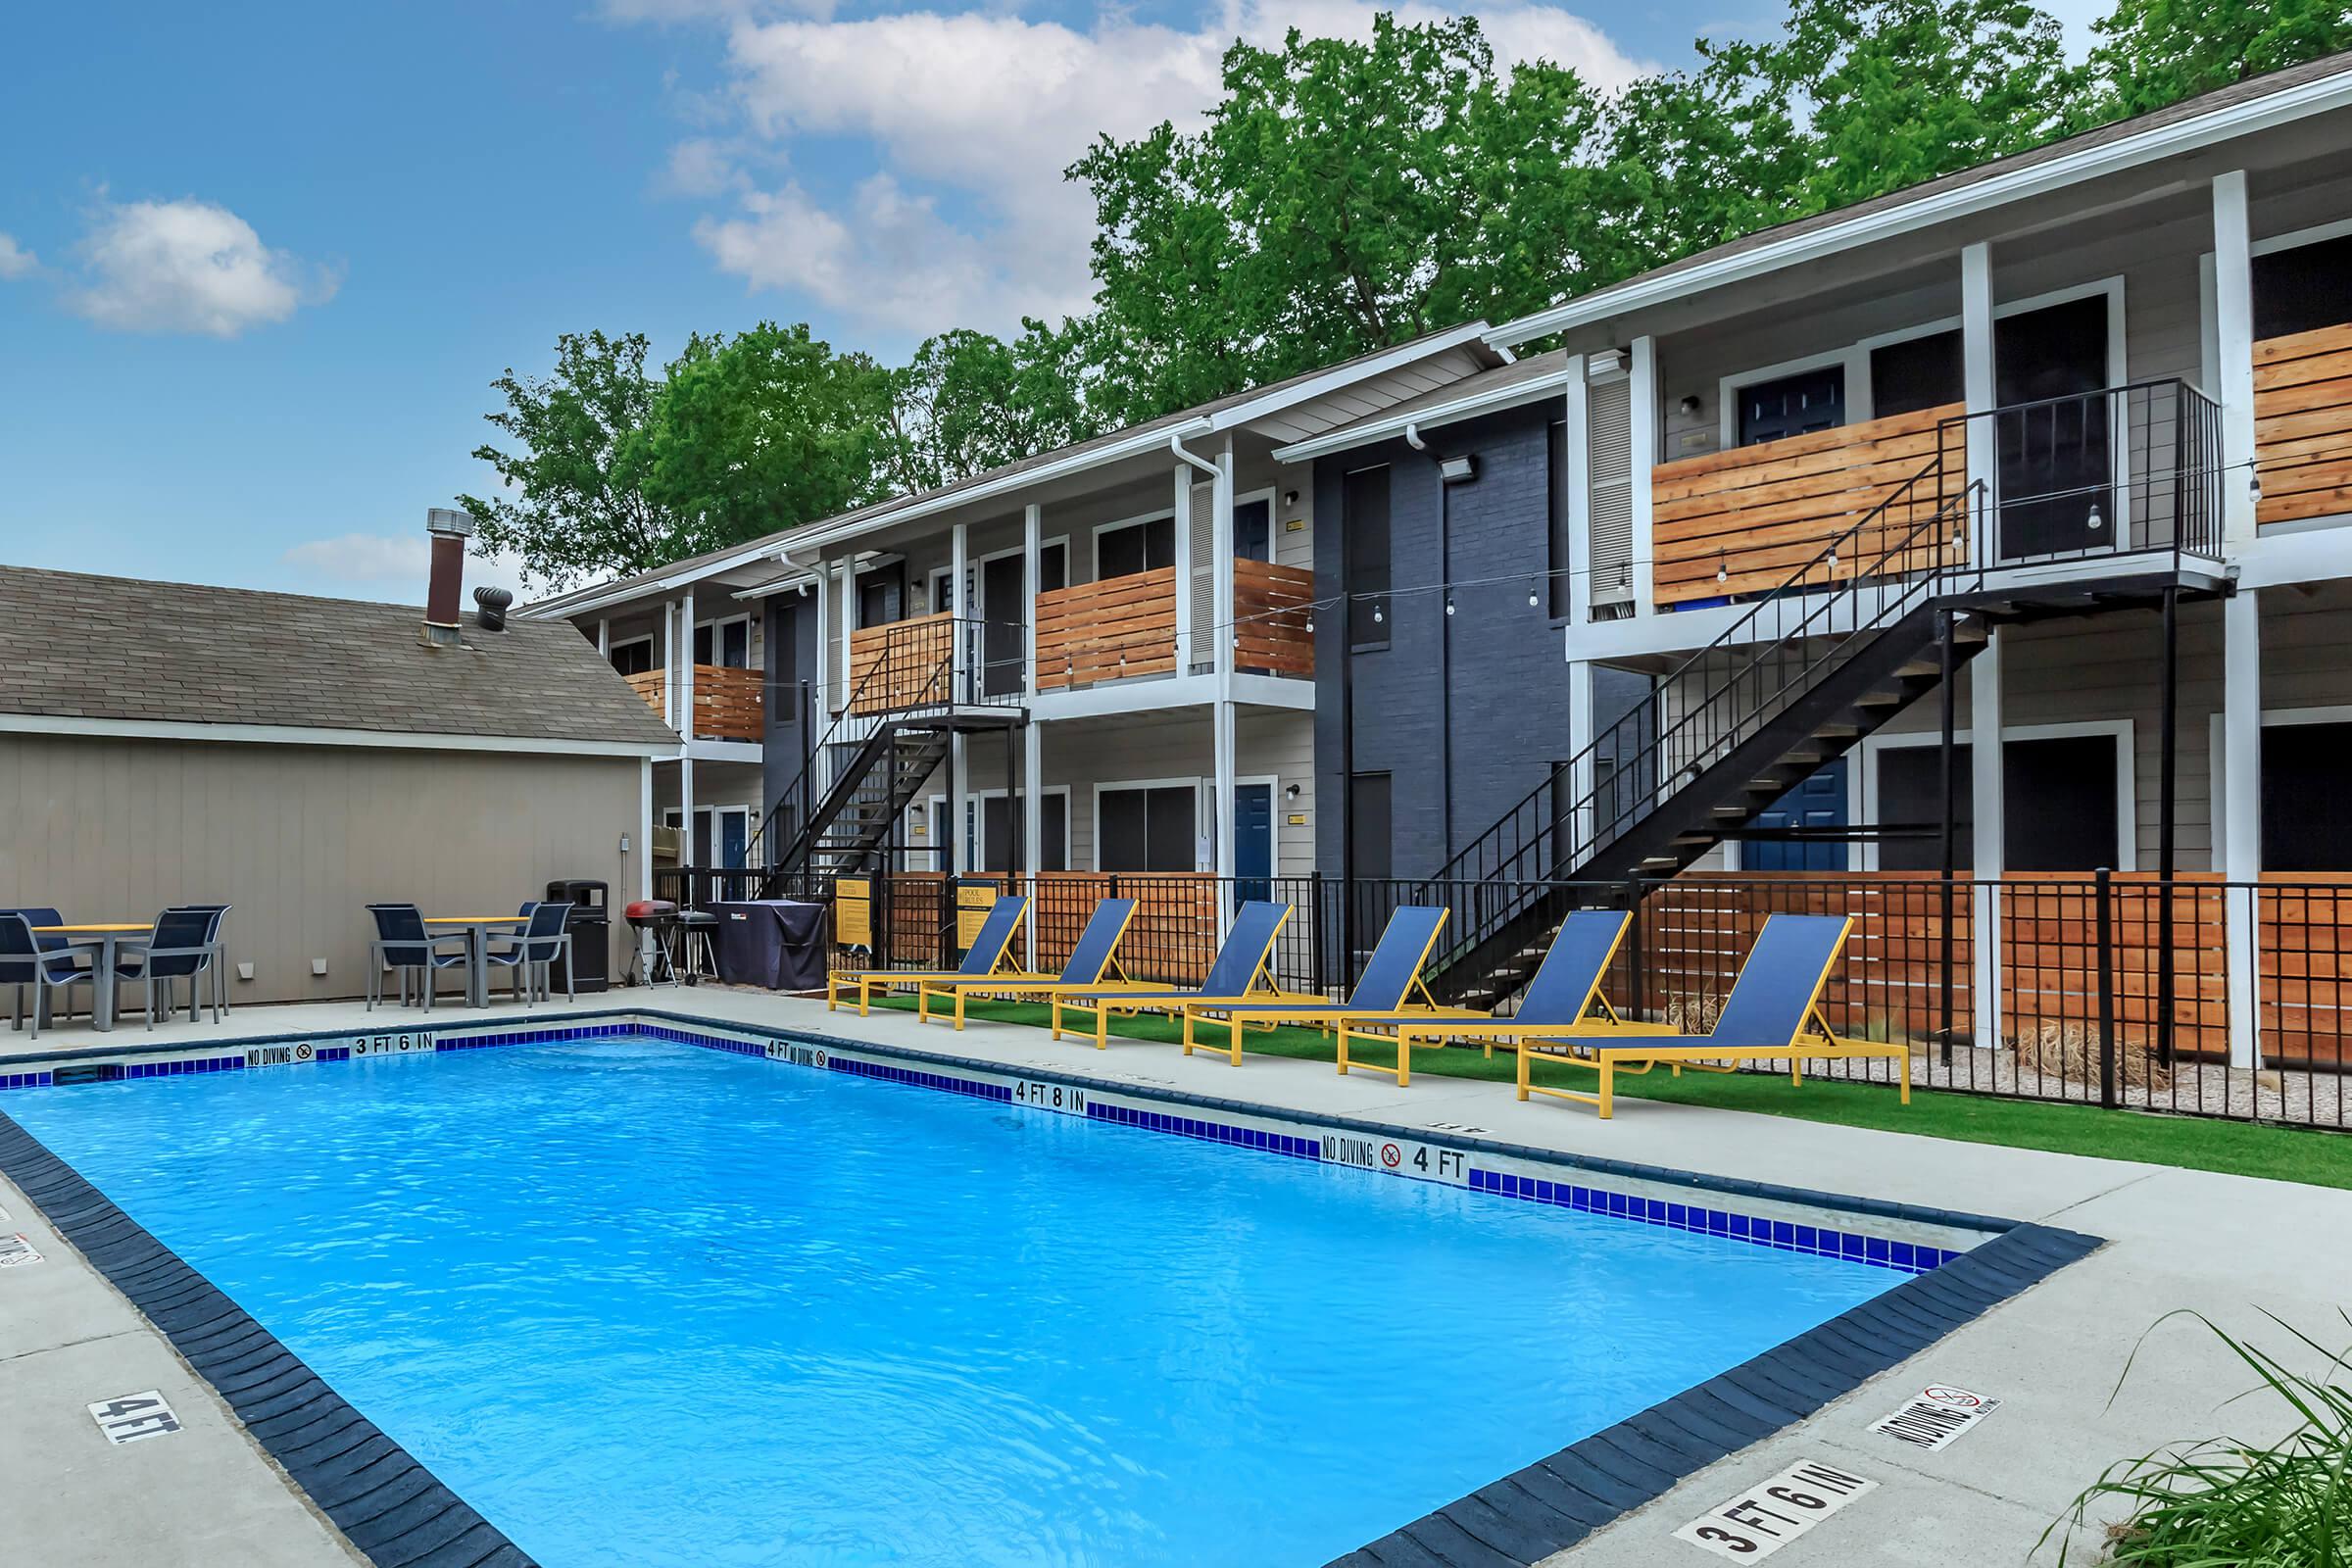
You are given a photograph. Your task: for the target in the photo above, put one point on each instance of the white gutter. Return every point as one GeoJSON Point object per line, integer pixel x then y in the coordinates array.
{"type": "Point", "coordinates": [1176, 445]}
{"type": "Point", "coordinates": [1363, 433]}
{"type": "Point", "coordinates": [2327, 94]}
{"type": "Point", "coordinates": [1330, 381]}
{"type": "Point", "coordinates": [311, 735]}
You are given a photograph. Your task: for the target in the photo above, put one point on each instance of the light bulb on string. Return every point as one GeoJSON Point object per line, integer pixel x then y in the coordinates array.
{"type": "Point", "coordinates": [1450, 604]}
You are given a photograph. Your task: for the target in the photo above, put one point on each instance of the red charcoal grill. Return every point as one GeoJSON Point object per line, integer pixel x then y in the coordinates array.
{"type": "Point", "coordinates": [657, 918]}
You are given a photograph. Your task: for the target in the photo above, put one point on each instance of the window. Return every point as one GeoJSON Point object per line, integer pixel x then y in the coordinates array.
{"type": "Point", "coordinates": [634, 657]}
{"type": "Point", "coordinates": [1563, 548]}
{"type": "Point", "coordinates": [2306, 810]}
{"type": "Point", "coordinates": [1253, 529]}
{"type": "Point", "coordinates": [997, 821]}
{"type": "Point", "coordinates": [1365, 513]}
{"type": "Point", "coordinates": [726, 643]}
{"type": "Point", "coordinates": [1147, 828]}
{"type": "Point", "coordinates": [2303, 287]}
{"type": "Point", "coordinates": [1134, 547]}
{"type": "Point", "coordinates": [1919, 373]}
{"type": "Point", "coordinates": [1792, 405]}
{"type": "Point", "coordinates": [882, 597]}
{"type": "Point", "coordinates": [2064, 813]}
{"type": "Point", "coordinates": [1054, 565]}
{"type": "Point", "coordinates": [1369, 830]}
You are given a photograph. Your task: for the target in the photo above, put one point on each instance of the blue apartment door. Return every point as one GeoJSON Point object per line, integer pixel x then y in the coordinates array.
{"type": "Point", "coordinates": [1252, 842]}
{"type": "Point", "coordinates": [1818, 802]}
{"type": "Point", "coordinates": [734, 832]}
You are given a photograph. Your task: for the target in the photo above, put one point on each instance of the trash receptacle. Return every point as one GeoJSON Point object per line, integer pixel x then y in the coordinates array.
{"type": "Point", "coordinates": [590, 924]}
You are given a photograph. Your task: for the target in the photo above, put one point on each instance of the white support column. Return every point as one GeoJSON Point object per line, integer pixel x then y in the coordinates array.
{"type": "Point", "coordinates": [1576, 485]}
{"type": "Point", "coordinates": [685, 686]}
{"type": "Point", "coordinates": [1033, 813]}
{"type": "Point", "coordinates": [1580, 741]}
{"type": "Point", "coordinates": [2240, 804]}
{"type": "Point", "coordinates": [1033, 552]}
{"type": "Point", "coordinates": [670, 663]}
{"type": "Point", "coordinates": [1977, 380]}
{"type": "Point", "coordinates": [960, 655]}
{"type": "Point", "coordinates": [1984, 785]}
{"type": "Point", "coordinates": [825, 611]}
{"type": "Point", "coordinates": [2234, 351]}
{"type": "Point", "coordinates": [686, 671]}
{"type": "Point", "coordinates": [1644, 428]}
{"type": "Point", "coordinates": [1183, 532]}
{"type": "Point", "coordinates": [1221, 535]}
{"type": "Point", "coordinates": [603, 638]}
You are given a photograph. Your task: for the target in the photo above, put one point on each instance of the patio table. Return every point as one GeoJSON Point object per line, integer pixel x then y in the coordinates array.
{"type": "Point", "coordinates": [101, 938]}
{"type": "Point", "coordinates": [477, 928]}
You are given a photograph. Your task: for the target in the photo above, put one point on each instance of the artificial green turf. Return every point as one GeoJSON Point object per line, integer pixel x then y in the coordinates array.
{"type": "Point", "coordinates": [2193, 1142]}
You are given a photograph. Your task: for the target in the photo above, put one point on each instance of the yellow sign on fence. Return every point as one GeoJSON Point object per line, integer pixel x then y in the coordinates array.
{"type": "Point", "coordinates": [973, 900]}
{"type": "Point", "coordinates": [854, 913]}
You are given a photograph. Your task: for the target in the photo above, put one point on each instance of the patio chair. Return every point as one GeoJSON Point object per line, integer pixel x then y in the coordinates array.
{"type": "Point", "coordinates": [403, 944]}
{"type": "Point", "coordinates": [1235, 976]}
{"type": "Point", "coordinates": [1385, 989]}
{"type": "Point", "coordinates": [989, 947]}
{"type": "Point", "coordinates": [1096, 951]}
{"type": "Point", "coordinates": [1774, 1011]}
{"type": "Point", "coordinates": [1562, 1001]}
{"type": "Point", "coordinates": [24, 962]}
{"type": "Point", "coordinates": [543, 939]}
{"type": "Point", "coordinates": [220, 957]}
{"type": "Point", "coordinates": [182, 946]}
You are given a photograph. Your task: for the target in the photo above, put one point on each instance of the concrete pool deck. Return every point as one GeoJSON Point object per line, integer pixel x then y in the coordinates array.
{"type": "Point", "coordinates": [2228, 1246]}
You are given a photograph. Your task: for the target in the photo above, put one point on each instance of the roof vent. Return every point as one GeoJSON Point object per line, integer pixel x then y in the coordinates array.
{"type": "Point", "coordinates": [490, 608]}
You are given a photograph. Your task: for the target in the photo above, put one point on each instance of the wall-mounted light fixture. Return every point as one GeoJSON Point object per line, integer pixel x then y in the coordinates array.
{"type": "Point", "coordinates": [1456, 470]}
{"type": "Point", "coordinates": [1691, 406]}
{"type": "Point", "coordinates": [1290, 792]}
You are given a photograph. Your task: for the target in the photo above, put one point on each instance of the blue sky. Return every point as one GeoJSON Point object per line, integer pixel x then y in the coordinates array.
{"type": "Point", "coordinates": [260, 262]}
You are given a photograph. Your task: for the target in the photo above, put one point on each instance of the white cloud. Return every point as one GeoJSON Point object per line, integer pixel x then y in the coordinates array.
{"type": "Point", "coordinates": [14, 260]}
{"type": "Point", "coordinates": [188, 266]}
{"type": "Point", "coordinates": [989, 108]}
{"type": "Point", "coordinates": [392, 566]}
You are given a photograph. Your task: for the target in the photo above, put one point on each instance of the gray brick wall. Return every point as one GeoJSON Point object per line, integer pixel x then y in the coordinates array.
{"type": "Point", "coordinates": [1506, 724]}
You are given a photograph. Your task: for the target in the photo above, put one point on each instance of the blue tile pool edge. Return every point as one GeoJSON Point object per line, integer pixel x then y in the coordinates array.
{"type": "Point", "coordinates": [392, 1509]}
{"type": "Point", "coordinates": [1517, 1520]}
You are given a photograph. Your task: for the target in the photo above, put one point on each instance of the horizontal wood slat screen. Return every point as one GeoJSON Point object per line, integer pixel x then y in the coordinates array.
{"type": "Point", "coordinates": [2303, 424]}
{"type": "Point", "coordinates": [728, 703]}
{"type": "Point", "coordinates": [1096, 631]}
{"type": "Point", "coordinates": [909, 661]}
{"type": "Point", "coordinates": [1757, 514]}
{"type": "Point", "coordinates": [1272, 607]}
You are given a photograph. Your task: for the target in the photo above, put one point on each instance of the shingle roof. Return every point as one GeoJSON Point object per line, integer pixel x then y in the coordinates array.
{"type": "Point", "coordinates": [120, 648]}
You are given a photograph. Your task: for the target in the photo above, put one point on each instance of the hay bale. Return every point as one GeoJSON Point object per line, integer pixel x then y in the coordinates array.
{"type": "Point", "coordinates": [2069, 1048]}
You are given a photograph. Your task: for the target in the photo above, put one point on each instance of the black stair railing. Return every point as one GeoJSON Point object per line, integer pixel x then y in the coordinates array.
{"type": "Point", "coordinates": [1915, 545]}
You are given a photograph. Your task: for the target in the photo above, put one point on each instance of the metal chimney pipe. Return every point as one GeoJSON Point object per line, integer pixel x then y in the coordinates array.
{"type": "Point", "coordinates": [450, 529]}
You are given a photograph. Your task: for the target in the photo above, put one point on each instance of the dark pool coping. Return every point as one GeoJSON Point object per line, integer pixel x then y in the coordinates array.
{"type": "Point", "coordinates": [1515, 1522]}
{"type": "Point", "coordinates": [388, 1506]}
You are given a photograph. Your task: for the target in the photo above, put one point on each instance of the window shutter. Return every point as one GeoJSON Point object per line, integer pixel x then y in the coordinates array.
{"type": "Point", "coordinates": [1609, 447]}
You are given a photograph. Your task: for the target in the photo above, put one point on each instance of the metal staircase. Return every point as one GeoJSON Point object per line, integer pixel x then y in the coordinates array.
{"type": "Point", "coordinates": [1844, 643]}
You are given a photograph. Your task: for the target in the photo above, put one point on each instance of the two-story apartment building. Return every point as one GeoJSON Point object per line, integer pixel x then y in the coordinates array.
{"type": "Point", "coordinates": [1100, 657]}
{"type": "Point", "coordinates": [2074, 427]}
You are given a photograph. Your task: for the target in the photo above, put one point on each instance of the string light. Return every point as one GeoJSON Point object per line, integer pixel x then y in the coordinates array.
{"type": "Point", "coordinates": [1450, 604]}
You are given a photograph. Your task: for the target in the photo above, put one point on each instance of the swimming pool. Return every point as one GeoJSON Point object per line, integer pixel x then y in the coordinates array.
{"type": "Point", "coordinates": [643, 1303]}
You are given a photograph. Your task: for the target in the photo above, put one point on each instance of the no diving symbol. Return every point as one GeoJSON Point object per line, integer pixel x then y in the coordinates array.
{"type": "Point", "coordinates": [1391, 1155]}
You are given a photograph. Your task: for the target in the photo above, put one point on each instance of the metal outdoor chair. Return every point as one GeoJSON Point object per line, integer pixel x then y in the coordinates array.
{"type": "Point", "coordinates": [183, 947]}
{"type": "Point", "coordinates": [219, 952]}
{"type": "Point", "coordinates": [24, 962]}
{"type": "Point", "coordinates": [533, 949]}
{"type": "Point", "coordinates": [404, 946]}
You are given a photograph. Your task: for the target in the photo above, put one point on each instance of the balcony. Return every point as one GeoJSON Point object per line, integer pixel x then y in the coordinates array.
{"type": "Point", "coordinates": [1115, 630]}
{"type": "Point", "coordinates": [1272, 608]}
{"type": "Point", "coordinates": [728, 703]}
{"type": "Point", "coordinates": [2303, 425]}
{"type": "Point", "coordinates": [905, 664]}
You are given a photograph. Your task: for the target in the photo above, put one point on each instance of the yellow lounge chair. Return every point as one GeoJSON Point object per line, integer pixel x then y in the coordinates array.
{"type": "Point", "coordinates": [1385, 989]}
{"type": "Point", "coordinates": [1235, 975]}
{"type": "Point", "coordinates": [1096, 951]}
{"type": "Point", "coordinates": [989, 947]}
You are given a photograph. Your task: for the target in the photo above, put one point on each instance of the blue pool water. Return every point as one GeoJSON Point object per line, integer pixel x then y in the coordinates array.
{"type": "Point", "coordinates": [643, 1303]}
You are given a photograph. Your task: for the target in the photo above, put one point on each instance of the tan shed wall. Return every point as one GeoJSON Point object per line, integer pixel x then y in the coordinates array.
{"type": "Point", "coordinates": [299, 838]}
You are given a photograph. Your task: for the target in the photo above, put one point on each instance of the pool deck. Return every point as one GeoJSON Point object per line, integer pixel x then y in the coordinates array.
{"type": "Point", "coordinates": [2230, 1246]}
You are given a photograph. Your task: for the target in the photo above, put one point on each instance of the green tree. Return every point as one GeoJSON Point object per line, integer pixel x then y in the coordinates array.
{"type": "Point", "coordinates": [1344, 196]}
{"type": "Point", "coordinates": [574, 508]}
{"type": "Point", "coordinates": [970, 402]}
{"type": "Point", "coordinates": [2156, 51]}
{"type": "Point", "coordinates": [762, 432]}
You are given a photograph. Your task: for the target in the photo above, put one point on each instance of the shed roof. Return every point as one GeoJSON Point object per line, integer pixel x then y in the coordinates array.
{"type": "Point", "coordinates": [73, 645]}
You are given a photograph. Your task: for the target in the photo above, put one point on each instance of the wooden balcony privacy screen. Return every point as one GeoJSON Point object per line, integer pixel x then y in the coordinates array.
{"type": "Point", "coordinates": [2303, 424]}
{"type": "Point", "coordinates": [1757, 514]}
{"type": "Point", "coordinates": [729, 704]}
{"type": "Point", "coordinates": [1096, 631]}
{"type": "Point", "coordinates": [1272, 608]}
{"type": "Point", "coordinates": [907, 660]}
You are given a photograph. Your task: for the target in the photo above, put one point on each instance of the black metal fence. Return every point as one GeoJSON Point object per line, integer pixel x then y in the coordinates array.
{"type": "Point", "coordinates": [2040, 987]}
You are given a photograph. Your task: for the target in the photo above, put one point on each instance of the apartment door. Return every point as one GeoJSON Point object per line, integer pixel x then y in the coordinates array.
{"type": "Point", "coordinates": [1253, 529]}
{"type": "Point", "coordinates": [1007, 619]}
{"type": "Point", "coordinates": [1818, 802]}
{"type": "Point", "coordinates": [2054, 439]}
{"type": "Point", "coordinates": [1792, 405]}
{"type": "Point", "coordinates": [1252, 842]}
